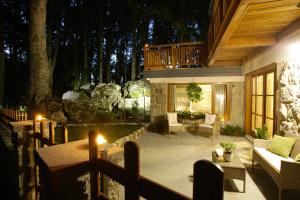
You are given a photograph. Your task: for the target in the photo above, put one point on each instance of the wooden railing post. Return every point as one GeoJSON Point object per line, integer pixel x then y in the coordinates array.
{"type": "Point", "coordinates": [51, 133]}
{"type": "Point", "coordinates": [42, 133]}
{"type": "Point", "coordinates": [208, 181]}
{"type": "Point", "coordinates": [132, 168]}
{"type": "Point", "coordinates": [94, 173]}
{"type": "Point", "coordinates": [65, 137]}
{"type": "Point", "coordinates": [103, 179]}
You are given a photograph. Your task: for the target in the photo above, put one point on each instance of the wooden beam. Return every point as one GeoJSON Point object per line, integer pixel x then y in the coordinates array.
{"type": "Point", "coordinates": [238, 42]}
{"type": "Point", "coordinates": [292, 29]}
{"type": "Point", "coordinates": [220, 63]}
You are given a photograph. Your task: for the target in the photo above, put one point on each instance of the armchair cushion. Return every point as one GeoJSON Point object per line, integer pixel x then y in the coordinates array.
{"type": "Point", "coordinates": [209, 118]}
{"type": "Point", "coordinates": [172, 118]}
{"type": "Point", "coordinates": [281, 145]}
{"type": "Point", "coordinates": [296, 148]}
{"type": "Point", "coordinates": [298, 157]}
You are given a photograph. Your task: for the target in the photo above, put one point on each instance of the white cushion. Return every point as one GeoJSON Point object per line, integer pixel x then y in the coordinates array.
{"type": "Point", "coordinates": [175, 124]}
{"type": "Point", "coordinates": [272, 159]}
{"type": "Point", "coordinates": [206, 126]}
{"type": "Point", "coordinates": [209, 118]}
{"type": "Point", "coordinates": [172, 118]}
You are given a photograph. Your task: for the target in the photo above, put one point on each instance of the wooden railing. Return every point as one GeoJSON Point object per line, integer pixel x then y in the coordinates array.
{"type": "Point", "coordinates": [14, 115]}
{"type": "Point", "coordinates": [223, 11]}
{"type": "Point", "coordinates": [42, 138]}
{"type": "Point", "coordinates": [208, 177]}
{"type": "Point", "coordinates": [173, 56]}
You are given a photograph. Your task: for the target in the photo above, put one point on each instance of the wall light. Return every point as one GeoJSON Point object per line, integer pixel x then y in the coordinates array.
{"type": "Point", "coordinates": [294, 50]}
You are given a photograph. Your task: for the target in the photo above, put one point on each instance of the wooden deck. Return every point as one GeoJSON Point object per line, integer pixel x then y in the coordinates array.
{"type": "Point", "coordinates": [174, 56]}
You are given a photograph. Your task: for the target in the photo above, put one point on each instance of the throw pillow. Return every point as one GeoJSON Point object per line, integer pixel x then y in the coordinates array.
{"type": "Point", "coordinates": [298, 157]}
{"type": "Point", "coordinates": [281, 145]}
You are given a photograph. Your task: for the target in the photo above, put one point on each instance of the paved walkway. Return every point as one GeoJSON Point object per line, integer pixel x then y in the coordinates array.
{"type": "Point", "coordinates": [7, 165]}
{"type": "Point", "coordinates": [169, 161]}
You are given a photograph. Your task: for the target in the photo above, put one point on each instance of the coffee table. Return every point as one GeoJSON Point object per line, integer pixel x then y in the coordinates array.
{"type": "Point", "coordinates": [233, 169]}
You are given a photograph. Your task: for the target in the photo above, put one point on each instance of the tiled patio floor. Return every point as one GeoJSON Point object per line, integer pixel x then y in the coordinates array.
{"type": "Point", "coordinates": [169, 161]}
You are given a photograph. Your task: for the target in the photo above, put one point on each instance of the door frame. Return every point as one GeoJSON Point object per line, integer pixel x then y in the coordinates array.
{"type": "Point", "coordinates": [248, 95]}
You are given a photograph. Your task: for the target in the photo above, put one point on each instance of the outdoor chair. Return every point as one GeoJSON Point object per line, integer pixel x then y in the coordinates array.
{"type": "Point", "coordinates": [173, 125]}
{"type": "Point", "coordinates": [209, 125]}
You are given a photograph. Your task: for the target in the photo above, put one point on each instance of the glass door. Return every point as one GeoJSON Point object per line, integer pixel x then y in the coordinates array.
{"type": "Point", "coordinates": [263, 100]}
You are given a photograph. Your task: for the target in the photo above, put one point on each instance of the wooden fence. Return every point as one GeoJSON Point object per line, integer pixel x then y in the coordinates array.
{"type": "Point", "coordinates": [14, 115]}
{"type": "Point", "coordinates": [173, 56]}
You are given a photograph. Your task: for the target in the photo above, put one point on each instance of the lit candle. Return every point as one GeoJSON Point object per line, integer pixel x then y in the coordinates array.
{"type": "Point", "coordinates": [100, 140]}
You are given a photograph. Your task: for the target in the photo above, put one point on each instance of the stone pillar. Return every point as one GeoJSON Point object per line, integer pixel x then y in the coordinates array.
{"type": "Point", "coordinates": [23, 143]}
{"type": "Point", "coordinates": [289, 105]}
{"type": "Point", "coordinates": [159, 101]}
{"type": "Point", "coordinates": [237, 103]}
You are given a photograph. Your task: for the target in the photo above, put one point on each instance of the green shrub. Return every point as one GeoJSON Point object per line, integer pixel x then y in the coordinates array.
{"type": "Point", "coordinates": [261, 133]}
{"type": "Point", "coordinates": [232, 130]}
{"type": "Point", "coordinates": [189, 115]}
{"type": "Point", "coordinates": [105, 116]}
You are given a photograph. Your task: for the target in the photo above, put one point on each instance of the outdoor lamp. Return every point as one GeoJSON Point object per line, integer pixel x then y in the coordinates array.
{"type": "Point", "coordinates": [100, 140]}
{"type": "Point", "coordinates": [39, 117]}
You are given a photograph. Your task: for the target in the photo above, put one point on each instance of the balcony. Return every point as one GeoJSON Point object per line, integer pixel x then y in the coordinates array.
{"type": "Point", "coordinates": [174, 56]}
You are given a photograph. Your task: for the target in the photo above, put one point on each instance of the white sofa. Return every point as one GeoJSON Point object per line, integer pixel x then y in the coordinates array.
{"type": "Point", "coordinates": [284, 171]}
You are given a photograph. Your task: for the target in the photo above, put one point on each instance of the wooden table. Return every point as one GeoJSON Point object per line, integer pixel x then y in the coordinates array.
{"type": "Point", "coordinates": [234, 169]}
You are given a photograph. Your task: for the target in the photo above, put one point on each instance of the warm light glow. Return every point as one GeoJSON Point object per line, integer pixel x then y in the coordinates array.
{"type": "Point", "coordinates": [39, 117]}
{"type": "Point", "coordinates": [101, 140]}
{"type": "Point", "coordinates": [220, 96]}
{"type": "Point", "coordinates": [222, 119]}
{"type": "Point", "coordinates": [294, 49]}
{"type": "Point", "coordinates": [146, 45]}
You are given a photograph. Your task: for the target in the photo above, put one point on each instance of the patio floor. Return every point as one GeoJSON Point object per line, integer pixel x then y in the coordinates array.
{"type": "Point", "coordinates": [169, 161]}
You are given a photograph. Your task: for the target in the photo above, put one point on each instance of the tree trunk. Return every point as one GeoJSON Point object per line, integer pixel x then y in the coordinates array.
{"type": "Point", "coordinates": [107, 59]}
{"type": "Point", "coordinates": [100, 45]}
{"type": "Point", "coordinates": [2, 62]}
{"type": "Point", "coordinates": [133, 62]}
{"type": "Point", "coordinates": [85, 57]}
{"type": "Point", "coordinates": [39, 81]}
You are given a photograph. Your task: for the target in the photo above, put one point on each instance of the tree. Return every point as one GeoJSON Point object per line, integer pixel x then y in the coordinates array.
{"type": "Point", "coordinates": [2, 60]}
{"type": "Point", "coordinates": [40, 79]}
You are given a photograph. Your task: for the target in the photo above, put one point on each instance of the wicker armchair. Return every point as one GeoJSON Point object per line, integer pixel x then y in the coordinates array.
{"type": "Point", "coordinates": [173, 125]}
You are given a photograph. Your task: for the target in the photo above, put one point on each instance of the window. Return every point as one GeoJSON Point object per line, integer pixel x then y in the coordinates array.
{"type": "Point", "coordinates": [263, 98]}
{"type": "Point", "coordinates": [181, 101]}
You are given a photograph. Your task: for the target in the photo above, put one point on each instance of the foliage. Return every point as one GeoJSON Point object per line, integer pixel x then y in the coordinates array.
{"type": "Point", "coordinates": [194, 92]}
{"type": "Point", "coordinates": [261, 133]}
{"type": "Point", "coordinates": [228, 146]}
{"type": "Point", "coordinates": [105, 116]}
{"type": "Point", "coordinates": [189, 115]}
{"type": "Point", "coordinates": [232, 130]}
{"type": "Point", "coordinates": [22, 108]}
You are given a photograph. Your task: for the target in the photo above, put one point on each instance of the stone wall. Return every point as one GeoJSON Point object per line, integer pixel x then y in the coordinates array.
{"type": "Point", "coordinates": [289, 107]}
{"type": "Point", "coordinates": [159, 95]}
{"type": "Point", "coordinates": [237, 103]}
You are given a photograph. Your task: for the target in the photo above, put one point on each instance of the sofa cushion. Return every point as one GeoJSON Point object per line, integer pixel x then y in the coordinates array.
{"type": "Point", "coordinates": [272, 159]}
{"type": "Point", "coordinates": [281, 145]}
{"type": "Point", "coordinates": [296, 148]}
{"type": "Point", "coordinates": [298, 157]}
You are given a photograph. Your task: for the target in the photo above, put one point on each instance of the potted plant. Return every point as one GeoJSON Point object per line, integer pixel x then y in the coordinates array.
{"type": "Point", "coordinates": [228, 148]}
{"type": "Point", "coordinates": [261, 133]}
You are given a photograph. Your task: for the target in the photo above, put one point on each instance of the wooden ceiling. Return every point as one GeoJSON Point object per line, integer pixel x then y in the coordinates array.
{"type": "Point", "coordinates": [253, 25]}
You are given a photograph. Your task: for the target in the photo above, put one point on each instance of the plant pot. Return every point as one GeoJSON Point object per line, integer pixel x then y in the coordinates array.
{"type": "Point", "coordinates": [227, 156]}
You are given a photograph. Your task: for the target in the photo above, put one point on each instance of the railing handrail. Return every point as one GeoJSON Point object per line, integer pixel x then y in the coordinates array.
{"type": "Point", "coordinates": [173, 44]}
{"type": "Point", "coordinates": [13, 114]}
{"type": "Point", "coordinates": [173, 56]}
